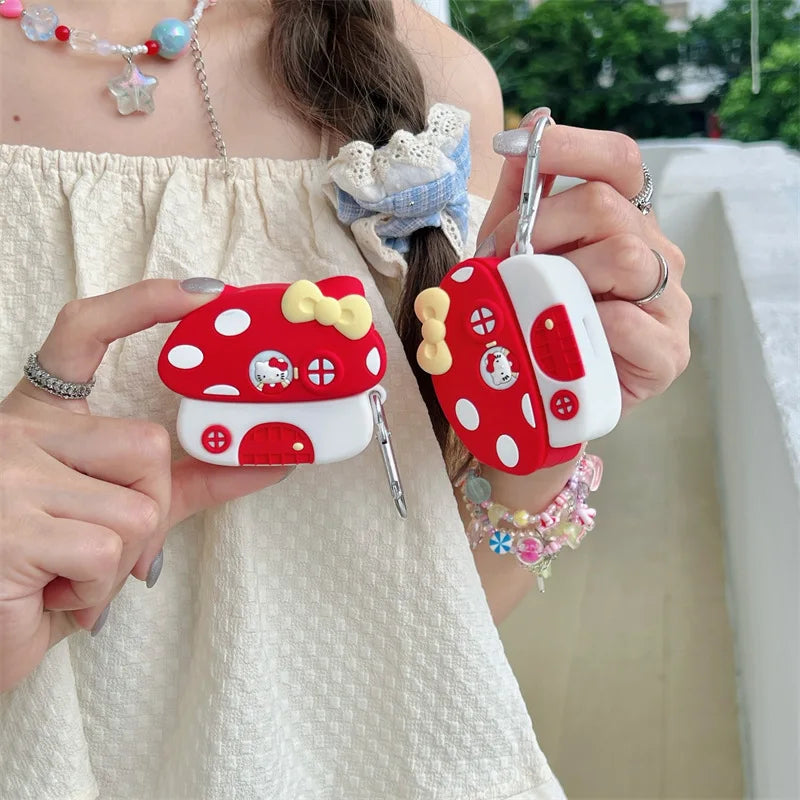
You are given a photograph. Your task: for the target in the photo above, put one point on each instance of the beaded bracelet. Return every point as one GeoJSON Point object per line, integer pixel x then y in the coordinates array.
{"type": "Point", "coordinates": [535, 539]}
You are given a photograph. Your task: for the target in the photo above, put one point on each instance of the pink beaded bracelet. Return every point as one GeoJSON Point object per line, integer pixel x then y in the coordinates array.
{"type": "Point", "coordinates": [535, 539]}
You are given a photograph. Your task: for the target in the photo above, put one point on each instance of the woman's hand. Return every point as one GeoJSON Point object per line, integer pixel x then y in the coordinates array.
{"type": "Point", "coordinates": [596, 227]}
{"type": "Point", "coordinates": [86, 501]}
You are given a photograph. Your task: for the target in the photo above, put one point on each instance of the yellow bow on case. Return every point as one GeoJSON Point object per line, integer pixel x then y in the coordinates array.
{"type": "Point", "coordinates": [351, 316]}
{"type": "Point", "coordinates": [431, 307]}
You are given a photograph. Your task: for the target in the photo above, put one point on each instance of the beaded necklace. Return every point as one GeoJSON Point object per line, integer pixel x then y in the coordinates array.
{"type": "Point", "coordinates": [133, 90]}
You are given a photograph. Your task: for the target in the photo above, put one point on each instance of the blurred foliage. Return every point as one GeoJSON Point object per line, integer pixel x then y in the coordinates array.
{"type": "Point", "coordinates": [723, 39]}
{"type": "Point", "coordinates": [555, 54]}
{"type": "Point", "coordinates": [774, 113]}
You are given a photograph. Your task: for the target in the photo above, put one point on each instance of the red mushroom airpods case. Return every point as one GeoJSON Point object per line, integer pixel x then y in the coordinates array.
{"type": "Point", "coordinates": [277, 374]}
{"type": "Point", "coordinates": [519, 360]}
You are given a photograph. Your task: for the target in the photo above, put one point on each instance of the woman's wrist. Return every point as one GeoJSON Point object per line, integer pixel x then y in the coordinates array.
{"type": "Point", "coordinates": [533, 532]}
{"type": "Point", "coordinates": [535, 491]}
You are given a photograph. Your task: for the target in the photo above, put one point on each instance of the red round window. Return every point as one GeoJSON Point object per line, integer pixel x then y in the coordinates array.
{"type": "Point", "coordinates": [216, 439]}
{"type": "Point", "coordinates": [564, 404]}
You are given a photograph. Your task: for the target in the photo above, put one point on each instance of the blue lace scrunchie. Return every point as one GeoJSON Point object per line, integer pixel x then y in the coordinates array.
{"type": "Point", "coordinates": [415, 181]}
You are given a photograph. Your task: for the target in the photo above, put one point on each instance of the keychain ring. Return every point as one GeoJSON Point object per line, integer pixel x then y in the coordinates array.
{"type": "Point", "coordinates": [532, 185]}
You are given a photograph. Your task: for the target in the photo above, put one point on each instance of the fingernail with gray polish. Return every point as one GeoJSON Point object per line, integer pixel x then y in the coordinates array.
{"type": "Point", "coordinates": [202, 285]}
{"type": "Point", "coordinates": [515, 142]}
{"type": "Point", "coordinates": [512, 143]}
{"type": "Point", "coordinates": [486, 248]}
{"type": "Point", "coordinates": [155, 570]}
{"type": "Point", "coordinates": [531, 116]}
{"type": "Point", "coordinates": [101, 620]}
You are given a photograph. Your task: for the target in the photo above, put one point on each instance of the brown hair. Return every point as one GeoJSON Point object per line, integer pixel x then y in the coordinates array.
{"type": "Point", "coordinates": [340, 65]}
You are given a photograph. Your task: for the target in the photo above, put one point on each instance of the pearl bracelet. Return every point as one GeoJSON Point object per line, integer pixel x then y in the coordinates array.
{"type": "Point", "coordinates": [535, 539]}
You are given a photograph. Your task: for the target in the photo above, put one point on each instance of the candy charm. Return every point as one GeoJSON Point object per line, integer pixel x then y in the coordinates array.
{"type": "Point", "coordinates": [133, 90]}
{"type": "Point", "coordinates": [529, 550]}
{"type": "Point", "coordinates": [500, 542]}
{"type": "Point", "coordinates": [39, 23]}
{"type": "Point", "coordinates": [535, 539]}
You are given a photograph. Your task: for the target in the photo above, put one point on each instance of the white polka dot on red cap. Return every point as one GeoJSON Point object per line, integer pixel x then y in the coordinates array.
{"type": "Point", "coordinates": [185, 356]}
{"type": "Point", "coordinates": [527, 410]}
{"type": "Point", "coordinates": [507, 451]}
{"type": "Point", "coordinates": [467, 414]}
{"type": "Point", "coordinates": [374, 361]}
{"type": "Point", "coordinates": [222, 389]}
{"type": "Point", "coordinates": [232, 322]}
{"type": "Point", "coordinates": [462, 275]}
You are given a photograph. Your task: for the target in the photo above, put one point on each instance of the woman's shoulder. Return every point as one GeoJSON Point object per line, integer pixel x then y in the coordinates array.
{"type": "Point", "coordinates": [456, 72]}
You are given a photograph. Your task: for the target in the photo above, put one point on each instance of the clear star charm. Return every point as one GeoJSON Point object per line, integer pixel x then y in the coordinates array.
{"type": "Point", "coordinates": [133, 90]}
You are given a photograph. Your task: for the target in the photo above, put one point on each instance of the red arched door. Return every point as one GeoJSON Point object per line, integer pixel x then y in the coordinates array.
{"type": "Point", "coordinates": [275, 443]}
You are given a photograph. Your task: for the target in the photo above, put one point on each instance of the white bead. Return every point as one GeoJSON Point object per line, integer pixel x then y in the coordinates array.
{"type": "Point", "coordinates": [104, 47]}
{"type": "Point", "coordinates": [83, 41]}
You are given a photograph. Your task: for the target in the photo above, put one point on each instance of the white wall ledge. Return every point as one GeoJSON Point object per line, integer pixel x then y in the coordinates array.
{"type": "Point", "coordinates": [735, 211]}
{"type": "Point", "coordinates": [758, 187]}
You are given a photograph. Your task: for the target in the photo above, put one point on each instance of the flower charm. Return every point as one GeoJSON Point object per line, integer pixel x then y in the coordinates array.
{"type": "Point", "coordinates": [133, 90]}
{"type": "Point", "coordinates": [500, 542]}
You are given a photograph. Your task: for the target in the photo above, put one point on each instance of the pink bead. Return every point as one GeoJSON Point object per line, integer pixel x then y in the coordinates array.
{"type": "Point", "coordinates": [529, 551]}
{"type": "Point", "coordinates": [546, 520]}
{"type": "Point", "coordinates": [585, 516]}
{"type": "Point", "coordinates": [551, 548]}
{"type": "Point", "coordinates": [11, 9]}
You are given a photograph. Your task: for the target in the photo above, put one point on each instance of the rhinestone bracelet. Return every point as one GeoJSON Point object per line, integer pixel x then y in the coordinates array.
{"type": "Point", "coordinates": [535, 539]}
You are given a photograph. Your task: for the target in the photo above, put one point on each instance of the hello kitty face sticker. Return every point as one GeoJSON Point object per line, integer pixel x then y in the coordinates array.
{"type": "Point", "coordinates": [497, 368]}
{"type": "Point", "coordinates": [271, 370]}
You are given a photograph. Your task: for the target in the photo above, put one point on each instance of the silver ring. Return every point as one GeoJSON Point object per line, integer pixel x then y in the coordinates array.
{"type": "Point", "coordinates": [662, 281]}
{"type": "Point", "coordinates": [42, 379]}
{"type": "Point", "coordinates": [643, 200]}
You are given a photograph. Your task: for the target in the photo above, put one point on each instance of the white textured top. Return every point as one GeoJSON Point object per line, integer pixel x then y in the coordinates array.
{"type": "Point", "coordinates": [303, 642]}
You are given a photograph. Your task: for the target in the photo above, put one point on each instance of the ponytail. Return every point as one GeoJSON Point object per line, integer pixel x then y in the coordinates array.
{"type": "Point", "coordinates": [340, 65]}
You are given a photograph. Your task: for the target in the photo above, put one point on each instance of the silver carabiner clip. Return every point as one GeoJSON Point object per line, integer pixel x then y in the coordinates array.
{"type": "Point", "coordinates": [531, 193]}
{"type": "Point", "coordinates": [384, 438]}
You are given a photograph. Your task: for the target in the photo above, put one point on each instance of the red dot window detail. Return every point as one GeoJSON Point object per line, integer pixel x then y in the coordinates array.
{"type": "Point", "coordinates": [564, 405]}
{"type": "Point", "coordinates": [216, 439]}
{"type": "Point", "coordinates": [483, 321]}
{"type": "Point", "coordinates": [321, 372]}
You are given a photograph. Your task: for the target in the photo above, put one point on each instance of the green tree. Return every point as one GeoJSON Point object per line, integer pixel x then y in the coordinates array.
{"type": "Point", "coordinates": [775, 112]}
{"type": "Point", "coordinates": [723, 40]}
{"type": "Point", "coordinates": [596, 64]}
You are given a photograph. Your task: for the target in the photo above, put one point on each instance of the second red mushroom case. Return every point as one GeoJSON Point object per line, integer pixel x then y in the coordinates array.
{"type": "Point", "coordinates": [276, 374]}
{"type": "Point", "coordinates": [519, 360]}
